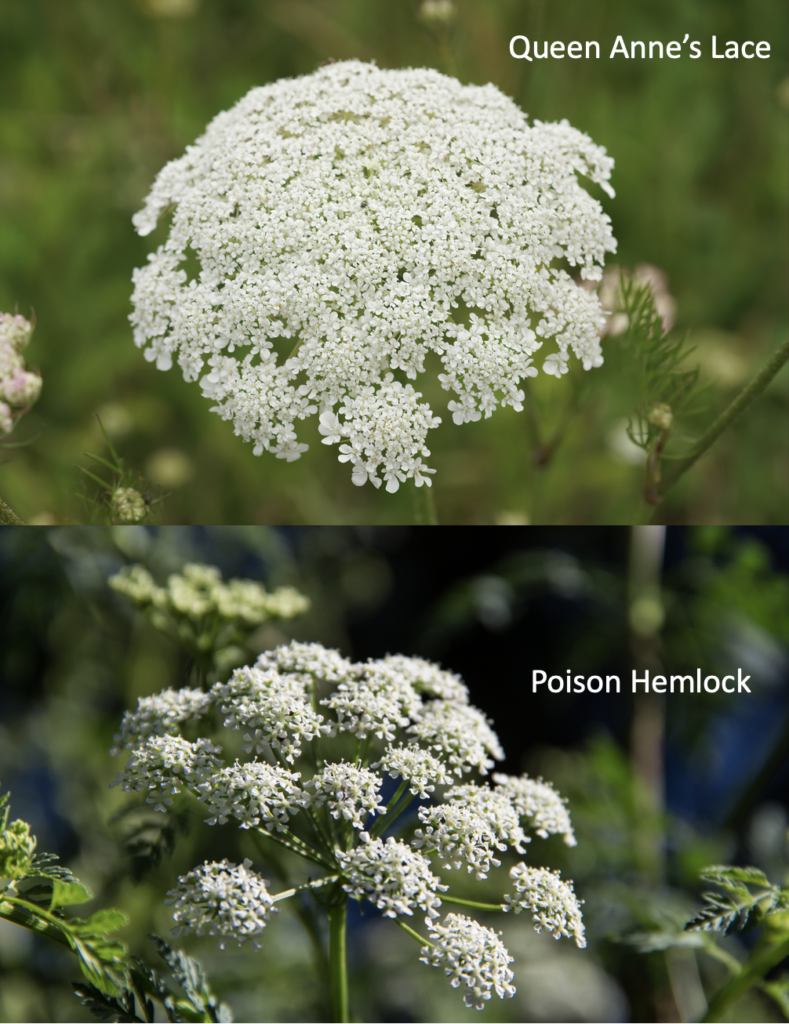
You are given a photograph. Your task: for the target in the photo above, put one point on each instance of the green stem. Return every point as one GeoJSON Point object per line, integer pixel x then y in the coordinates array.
{"type": "Point", "coordinates": [424, 507]}
{"type": "Point", "coordinates": [297, 846]}
{"type": "Point", "coordinates": [726, 418]}
{"type": "Point", "coordinates": [337, 964]}
{"type": "Point", "coordinates": [414, 935]}
{"type": "Point", "coordinates": [753, 970]}
{"type": "Point", "coordinates": [8, 517]}
{"type": "Point", "coordinates": [472, 903]}
{"type": "Point", "coordinates": [394, 811]}
{"type": "Point", "coordinates": [286, 893]}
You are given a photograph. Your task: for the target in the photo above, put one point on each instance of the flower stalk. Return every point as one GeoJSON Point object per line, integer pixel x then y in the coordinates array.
{"type": "Point", "coordinates": [338, 968]}
{"type": "Point", "coordinates": [8, 517]}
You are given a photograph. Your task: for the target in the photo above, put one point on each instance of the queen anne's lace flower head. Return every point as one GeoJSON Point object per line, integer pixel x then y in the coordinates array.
{"type": "Point", "coordinates": [392, 876]}
{"type": "Point", "coordinates": [472, 956]}
{"type": "Point", "coordinates": [222, 899]}
{"type": "Point", "coordinates": [350, 222]}
{"type": "Point", "coordinates": [552, 902]}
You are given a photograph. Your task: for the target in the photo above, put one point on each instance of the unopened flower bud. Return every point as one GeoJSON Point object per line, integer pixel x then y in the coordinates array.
{"type": "Point", "coordinates": [15, 330]}
{"type": "Point", "coordinates": [9, 359]}
{"type": "Point", "coordinates": [128, 505]}
{"type": "Point", "coordinates": [437, 12]}
{"type": "Point", "coordinates": [21, 388]}
{"type": "Point", "coordinates": [661, 416]}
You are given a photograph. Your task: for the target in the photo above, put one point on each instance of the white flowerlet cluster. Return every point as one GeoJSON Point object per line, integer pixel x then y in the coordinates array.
{"type": "Point", "coordinates": [538, 800]}
{"type": "Point", "coordinates": [472, 956]}
{"type": "Point", "coordinates": [461, 732]}
{"type": "Point", "coordinates": [312, 661]}
{"type": "Point", "coordinates": [379, 702]}
{"type": "Point", "coordinates": [254, 793]}
{"type": "Point", "coordinates": [459, 838]}
{"type": "Point", "coordinates": [356, 220]}
{"type": "Point", "coordinates": [392, 876]}
{"type": "Point", "coordinates": [222, 899]}
{"type": "Point", "coordinates": [351, 793]}
{"type": "Point", "coordinates": [552, 902]}
{"type": "Point", "coordinates": [164, 765]}
{"type": "Point", "coordinates": [158, 715]}
{"type": "Point", "coordinates": [427, 677]}
{"type": "Point", "coordinates": [416, 766]}
{"type": "Point", "coordinates": [274, 705]}
{"type": "Point", "coordinates": [496, 810]}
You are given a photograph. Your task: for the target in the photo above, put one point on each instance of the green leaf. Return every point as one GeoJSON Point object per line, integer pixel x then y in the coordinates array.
{"type": "Point", "coordinates": [66, 893]}
{"type": "Point", "coordinates": [106, 1007]}
{"type": "Point", "coordinates": [735, 878]}
{"type": "Point", "coordinates": [100, 923]}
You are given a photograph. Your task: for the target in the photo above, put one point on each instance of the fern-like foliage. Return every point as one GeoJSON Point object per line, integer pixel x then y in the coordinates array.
{"type": "Point", "coordinates": [738, 908]}
{"type": "Point", "coordinates": [665, 387]}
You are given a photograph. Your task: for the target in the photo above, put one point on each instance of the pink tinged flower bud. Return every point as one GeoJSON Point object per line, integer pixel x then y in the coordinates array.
{"type": "Point", "coordinates": [15, 330]}
{"type": "Point", "coordinates": [10, 359]}
{"type": "Point", "coordinates": [22, 388]}
{"type": "Point", "coordinates": [6, 419]}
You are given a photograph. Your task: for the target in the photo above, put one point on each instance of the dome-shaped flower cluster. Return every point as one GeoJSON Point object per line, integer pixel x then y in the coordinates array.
{"type": "Point", "coordinates": [348, 224]}
{"type": "Point", "coordinates": [19, 388]}
{"type": "Point", "coordinates": [404, 718]}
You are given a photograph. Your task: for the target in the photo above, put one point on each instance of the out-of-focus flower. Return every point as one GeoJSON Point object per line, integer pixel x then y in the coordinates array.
{"type": "Point", "coordinates": [610, 294]}
{"type": "Point", "coordinates": [19, 388]}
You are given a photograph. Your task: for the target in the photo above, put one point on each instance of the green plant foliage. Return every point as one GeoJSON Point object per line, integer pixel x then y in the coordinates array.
{"type": "Point", "coordinates": [738, 909]}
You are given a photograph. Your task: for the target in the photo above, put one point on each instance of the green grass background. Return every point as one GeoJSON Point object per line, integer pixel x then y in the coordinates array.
{"type": "Point", "coordinates": [95, 96]}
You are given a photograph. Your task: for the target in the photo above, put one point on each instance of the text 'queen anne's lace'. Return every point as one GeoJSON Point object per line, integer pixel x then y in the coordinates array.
{"type": "Point", "coordinates": [347, 224]}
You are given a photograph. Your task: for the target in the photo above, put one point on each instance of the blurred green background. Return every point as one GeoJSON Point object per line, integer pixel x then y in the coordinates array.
{"type": "Point", "coordinates": [95, 97]}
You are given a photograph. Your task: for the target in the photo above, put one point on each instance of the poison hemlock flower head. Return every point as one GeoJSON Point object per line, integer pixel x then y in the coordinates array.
{"type": "Point", "coordinates": [552, 902]}
{"type": "Point", "coordinates": [392, 876]}
{"type": "Point", "coordinates": [472, 956]}
{"type": "Point", "coordinates": [348, 224]}
{"type": "Point", "coordinates": [301, 709]}
{"type": "Point", "coordinates": [222, 899]}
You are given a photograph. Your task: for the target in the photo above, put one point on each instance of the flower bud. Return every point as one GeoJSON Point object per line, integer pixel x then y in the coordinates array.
{"type": "Point", "coordinates": [437, 12]}
{"type": "Point", "coordinates": [21, 388]}
{"type": "Point", "coordinates": [9, 359]}
{"type": "Point", "coordinates": [128, 505]}
{"type": "Point", "coordinates": [15, 330]}
{"type": "Point", "coordinates": [661, 416]}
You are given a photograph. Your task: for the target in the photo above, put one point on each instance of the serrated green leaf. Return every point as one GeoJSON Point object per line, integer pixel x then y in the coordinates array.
{"type": "Point", "coordinates": [67, 893]}
{"type": "Point", "coordinates": [735, 878]}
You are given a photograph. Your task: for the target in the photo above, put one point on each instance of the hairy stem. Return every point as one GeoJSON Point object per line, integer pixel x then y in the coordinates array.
{"type": "Point", "coordinates": [337, 965]}
{"type": "Point", "coordinates": [726, 418]}
{"type": "Point", "coordinates": [8, 517]}
{"type": "Point", "coordinates": [424, 507]}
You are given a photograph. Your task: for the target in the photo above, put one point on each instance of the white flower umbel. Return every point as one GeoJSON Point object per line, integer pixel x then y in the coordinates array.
{"type": "Point", "coordinates": [392, 876]}
{"type": "Point", "coordinates": [255, 794]}
{"type": "Point", "coordinates": [495, 808]}
{"type": "Point", "coordinates": [552, 902]}
{"type": "Point", "coordinates": [164, 765]}
{"type": "Point", "coordinates": [461, 733]}
{"type": "Point", "coordinates": [159, 715]}
{"type": "Point", "coordinates": [538, 800]}
{"type": "Point", "coordinates": [351, 793]}
{"type": "Point", "coordinates": [311, 661]}
{"type": "Point", "coordinates": [472, 956]}
{"type": "Point", "coordinates": [222, 899]}
{"type": "Point", "coordinates": [416, 766]}
{"type": "Point", "coordinates": [459, 838]}
{"type": "Point", "coordinates": [351, 222]}
{"type": "Point", "coordinates": [275, 706]}
{"type": "Point", "coordinates": [426, 677]}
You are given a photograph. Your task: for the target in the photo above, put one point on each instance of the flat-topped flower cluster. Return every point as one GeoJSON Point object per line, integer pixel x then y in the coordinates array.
{"type": "Point", "coordinates": [403, 718]}
{"type": "Point", "coordinates": [348, 224]}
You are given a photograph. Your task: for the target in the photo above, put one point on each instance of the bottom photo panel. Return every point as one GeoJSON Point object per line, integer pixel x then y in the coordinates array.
{"type": "Point", "coordinates": [394, 774]}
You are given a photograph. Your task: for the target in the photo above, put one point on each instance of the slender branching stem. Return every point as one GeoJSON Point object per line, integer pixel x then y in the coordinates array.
{"type": "Point", "coordinates": [724, 421]}
{"type": "Point", "coordinates": [337, 963]}
{"type": "Point", "coordinates": [472, 903]}
{"type": "Point", "coordinates": [753, 970]}
{"type": "Point", "coordinates": [414, 934]}
{"type": "Point", "coordinates": [296, 845]}
{"type": "Point", "coordinates": [394, 812]}
{"type": "Point", "coordinates": [424, 506]}
{"type": "Point", "coordinates": [302, 888]}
